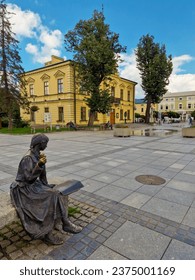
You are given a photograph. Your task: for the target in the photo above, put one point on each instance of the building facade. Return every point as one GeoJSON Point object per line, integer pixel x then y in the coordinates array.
{"type": "Point", "coordinates": [180, 102]}
{"type": "Point", "coordinates": [140, 108]}
{"type": "Point", "coordinates": [53, 90]}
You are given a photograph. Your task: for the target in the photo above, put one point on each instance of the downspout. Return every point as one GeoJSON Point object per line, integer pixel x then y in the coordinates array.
{"type": "Point", "coordinates": [134, 102]}
{"type": "Point", "coordinates": [74, 81]}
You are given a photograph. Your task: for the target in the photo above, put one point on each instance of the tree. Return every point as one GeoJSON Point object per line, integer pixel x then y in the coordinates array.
{"type": "Point", "coordinates": [155, 68]}
{"type": "Point", "coordinates": [96, 54]}
{"type": "Point", "coordinates": [12, 84]}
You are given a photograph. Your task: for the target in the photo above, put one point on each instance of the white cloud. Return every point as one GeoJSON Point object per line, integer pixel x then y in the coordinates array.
{"type": "Point", "coordinates": [44, 42]}
{"type": "Point", "coordinates": [24, 23]}
{"type": "Point", "coordinates": [178, 61]}
{"type": "Point", "coordinates": [178, 82]}
{"type": "Point", "coordinates": [129, 71]}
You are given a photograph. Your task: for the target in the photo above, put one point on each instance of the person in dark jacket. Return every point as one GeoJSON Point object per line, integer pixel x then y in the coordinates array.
{"type": "Point", "coordinates": [39, 206]}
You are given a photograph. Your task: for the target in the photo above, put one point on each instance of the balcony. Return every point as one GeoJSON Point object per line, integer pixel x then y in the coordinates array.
{"type": "Point", "coordinates": [115, 100]}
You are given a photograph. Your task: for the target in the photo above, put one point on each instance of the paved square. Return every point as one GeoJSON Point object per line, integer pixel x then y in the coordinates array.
{"type": "Point", "coordinates": [138, 243]}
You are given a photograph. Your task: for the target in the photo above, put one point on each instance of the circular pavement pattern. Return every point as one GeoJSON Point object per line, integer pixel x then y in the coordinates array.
{"type": "Point", "coordinates": [150, 180]}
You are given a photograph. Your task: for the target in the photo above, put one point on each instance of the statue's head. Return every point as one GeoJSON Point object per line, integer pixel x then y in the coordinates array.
{"type": "Point", "coordinates": [39, 139]}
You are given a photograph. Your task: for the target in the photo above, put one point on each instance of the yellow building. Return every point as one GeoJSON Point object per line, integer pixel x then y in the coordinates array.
{"type": "Point", "coordinates": [140, 108]}
{"type": "Point", "coordinates": [53, 89]}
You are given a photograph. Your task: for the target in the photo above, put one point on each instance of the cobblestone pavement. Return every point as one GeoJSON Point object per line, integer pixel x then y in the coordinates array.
{"type": "Point", "coordinates": [100, 218]}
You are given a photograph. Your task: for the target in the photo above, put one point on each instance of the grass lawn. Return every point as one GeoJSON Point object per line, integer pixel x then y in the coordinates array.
{"type": "Point", "coordinates": [27, 130]}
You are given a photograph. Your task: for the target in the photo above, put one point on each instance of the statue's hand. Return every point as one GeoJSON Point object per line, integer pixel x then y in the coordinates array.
{"type": "Point", "coordinates": [42, 160]}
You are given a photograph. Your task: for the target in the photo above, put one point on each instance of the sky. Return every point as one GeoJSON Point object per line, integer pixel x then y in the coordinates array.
{"type": "Point", "coordinates": [40, 26]}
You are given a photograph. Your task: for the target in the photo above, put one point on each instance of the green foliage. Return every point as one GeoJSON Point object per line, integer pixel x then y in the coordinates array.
{"type": "Point", "coordinates": [12, 84]}
{"type": "Point", "coordinates": [155, 68]}
{"type": "Point", "coordinates": [193, 114]}
{"type": "Point", "coordinates": [96, 54]}
{"type": "Point", "coordinates": [121, 125]}
{"type": "Point", "coordinates": [137, 115]}
{"type": "Point", "coordinates": [172, 114]}
{"type": "Point", "coordinates": [73, 210]}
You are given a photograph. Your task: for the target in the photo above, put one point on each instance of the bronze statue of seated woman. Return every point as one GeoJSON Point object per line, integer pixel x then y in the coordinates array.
{"type": "Point", "coordinates": [39, 205]}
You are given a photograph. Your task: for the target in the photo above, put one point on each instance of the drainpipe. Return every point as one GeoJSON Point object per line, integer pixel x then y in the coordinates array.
{"type": "Point", "coordinates": [134, 102]}
{"type": "Point", "coordinates": [74, 93]}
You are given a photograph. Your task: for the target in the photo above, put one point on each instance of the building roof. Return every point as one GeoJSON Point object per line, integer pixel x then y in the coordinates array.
{"type": "Point", "coordinates": [139, 101]}
{"type": "Point", "coordinates": [181, 93]}
{"type": "Point", "coordinates": [55, 60]}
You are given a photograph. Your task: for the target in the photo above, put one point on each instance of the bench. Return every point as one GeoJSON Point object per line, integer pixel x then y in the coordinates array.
{"type": "Point", "coordinates": [8, 212]}
{"type": "Point", "coordinates": [106, 126]}
{"type": "Point", "coordinates": [34, 127]}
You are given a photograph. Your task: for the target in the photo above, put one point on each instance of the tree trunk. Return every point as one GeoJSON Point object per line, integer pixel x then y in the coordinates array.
{"type": "Point", "coordinates": [147, 120]}
{"type": "Point", "coordinates": [0, 123]}
{"type": "Point", "coordinates": [10, 121]}
{"type": "Point", "coordinates": [91, 118]}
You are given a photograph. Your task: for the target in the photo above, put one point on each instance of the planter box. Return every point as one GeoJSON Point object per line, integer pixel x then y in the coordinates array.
{"type": "Point", "coordinates": [122, 131]}
{"type": "Point", "coordinates": [188, 132]}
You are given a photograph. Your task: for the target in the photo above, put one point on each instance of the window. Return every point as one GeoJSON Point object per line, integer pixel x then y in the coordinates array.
{"type": "Point", "coordinates": [166, 107]}
{"type": "Point", "coordinates": [161, 107]}
{"type": "Point", "coordinates": [60, 86]}
{"type": "Point", "coordinates": [128, 95]}
{"type": "Point", "coordinates": [142, 110]}
{"type": "Point", "coordinates": [180, 105]}
{"type": "Point", "coordinates": [121, 114]}
{"type": "Point", "coordinates": [31, 89]}
{"type": "Point", "coordinates": [167, 99]}
{"type": "Point", "coordinates": [60, 114]}
{"type": "Point", "coordinates": [113, 91]}
{"type": "Point", "coordinates": [83, 113]}
{"type": "Point", "coordinates": [189, 105]}
{"type": "Point", "coordinates": [46, 110]}
{"type": "Point", "coordinates": [46, 88]}
{"type": "Point", "coordinates": [180, 98]}
{"type": "Point", "coordinates": [121, 94]}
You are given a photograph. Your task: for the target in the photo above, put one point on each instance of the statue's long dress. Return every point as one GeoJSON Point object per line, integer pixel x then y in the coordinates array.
{"type": "Point", "coordinates": [37, 204]}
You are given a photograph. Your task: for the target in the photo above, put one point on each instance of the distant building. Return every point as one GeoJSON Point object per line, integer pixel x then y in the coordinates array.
{"type": "Point", "coordinates": [54, 90]}
{"type": "Point", "coordinates": [140, 108]}
{"type": "Point", "coordinates": [180, 102]}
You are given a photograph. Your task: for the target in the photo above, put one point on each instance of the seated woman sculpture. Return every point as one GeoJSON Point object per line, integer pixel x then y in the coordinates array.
{"type": "Point", "coordinates": [39, 206]}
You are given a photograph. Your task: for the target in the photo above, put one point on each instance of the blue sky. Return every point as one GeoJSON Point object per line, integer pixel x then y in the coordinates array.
{"type": "Point", "coordinates": [40, 26]}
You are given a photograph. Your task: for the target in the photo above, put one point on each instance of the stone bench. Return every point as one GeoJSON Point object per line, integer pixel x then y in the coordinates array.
{"type": "Point", "coordinates": [8, 212]}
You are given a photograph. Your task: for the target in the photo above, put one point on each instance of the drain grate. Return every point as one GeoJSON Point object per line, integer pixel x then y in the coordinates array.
{"type": "Point", "coordinates": [150, 180]}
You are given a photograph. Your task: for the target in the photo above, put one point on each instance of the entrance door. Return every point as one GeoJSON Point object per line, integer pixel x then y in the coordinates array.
{"type": "Point", "coordinates": [112, 117]}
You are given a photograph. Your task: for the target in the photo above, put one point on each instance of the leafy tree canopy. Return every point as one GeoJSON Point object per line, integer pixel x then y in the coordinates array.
{"type": "Point", "coordinates": [155, 69]}
{"type": "Point", "coordinates": [96, 54]}
{"type": "Point", "coordinates": [11, 72]}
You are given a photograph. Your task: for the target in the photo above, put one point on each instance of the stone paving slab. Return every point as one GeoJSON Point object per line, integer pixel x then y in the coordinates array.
{"type": "Point", "coordinates": [138, 243]}
{"type": "Point", "coordinates": [179, 251]}
{"type": "Point", "coordinates": [166, 209]}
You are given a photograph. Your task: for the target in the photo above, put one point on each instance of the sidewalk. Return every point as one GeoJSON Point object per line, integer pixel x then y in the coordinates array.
{"type": "Point", "coordinates": [121, 217]}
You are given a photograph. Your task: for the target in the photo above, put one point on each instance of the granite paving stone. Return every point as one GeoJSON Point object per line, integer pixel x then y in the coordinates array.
{"type": "Point", "coordinates": [178, 250]}
{"type": "Point", "coordinates": [166, 209]}
{"type": "Point", "coordinates": [136, 242]}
